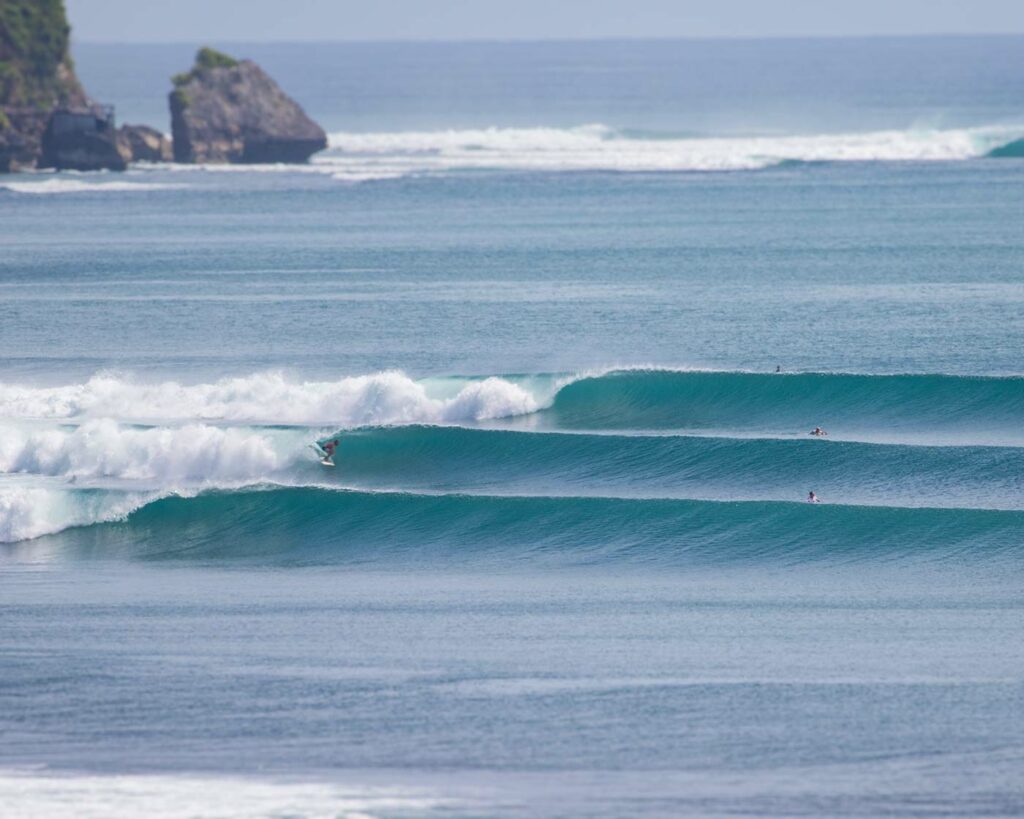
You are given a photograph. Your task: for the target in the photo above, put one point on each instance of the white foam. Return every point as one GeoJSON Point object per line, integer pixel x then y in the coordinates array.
{"type": "Point", "coordinates": [56, 185]}
{"type": "Point", "coordinates": [33, 795]}
{"type": "Point", "coordinates": [357, 156]}
{"type": "Point", "coordinates": [28, 512]}
{"type": "Point", "coordinates": [71, 456]}
{"type": "Point", "coordinates": [270, 398]}
{"type": "Point", "coordinates": [164, 456]}
{"type": "Point", "coordinates": [55, 477]}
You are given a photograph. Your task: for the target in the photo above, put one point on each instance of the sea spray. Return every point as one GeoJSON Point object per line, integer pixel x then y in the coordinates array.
{"type": "Point", "coordinates": [270, 398]}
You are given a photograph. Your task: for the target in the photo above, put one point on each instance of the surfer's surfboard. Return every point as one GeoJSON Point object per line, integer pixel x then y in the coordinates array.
{"type": "Point", "coordinates": [321, 454]}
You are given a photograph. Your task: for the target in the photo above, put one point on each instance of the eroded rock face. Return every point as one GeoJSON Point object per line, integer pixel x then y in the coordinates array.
{"type": "Point", "coordinates": [228, 111]}
{"type": "Point", "coordinates": [21, 134]}
{"type": "Point", "coordinates": [83, 139]}
{"type": "Point", "coordinates": [144, 144]}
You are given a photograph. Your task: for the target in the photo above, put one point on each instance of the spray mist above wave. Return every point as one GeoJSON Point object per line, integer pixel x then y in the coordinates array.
{"type": "Point", "coordinates": [272, 398]}
{"type": "Point", "coordinates": [357, 156]}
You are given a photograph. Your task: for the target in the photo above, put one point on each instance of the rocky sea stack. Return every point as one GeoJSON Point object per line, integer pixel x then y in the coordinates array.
{"type": "Point", "coordinates": [46, 118]}
{"type": "Point", "coordinates": [227, 110]}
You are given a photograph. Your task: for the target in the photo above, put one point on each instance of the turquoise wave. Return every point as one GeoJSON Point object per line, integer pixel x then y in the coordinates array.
{"type": "Point", "coordinates": [498, 460]}
{"type": "Point", "coordinates": [1011, 150]}
{"type": "Point", "coordinates": [787, 403]}
{"type": "Point", "coordinates": [294, 526]}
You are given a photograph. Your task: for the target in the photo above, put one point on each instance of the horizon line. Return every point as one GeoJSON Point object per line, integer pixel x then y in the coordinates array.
{"type": "Point", "coordinates": [557, 40]}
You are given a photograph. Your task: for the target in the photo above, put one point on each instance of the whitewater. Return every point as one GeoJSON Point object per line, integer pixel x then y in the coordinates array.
{"type": "Point", "coordinates": [597, 147]}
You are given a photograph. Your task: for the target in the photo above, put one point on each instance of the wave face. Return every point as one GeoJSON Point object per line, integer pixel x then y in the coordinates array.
{"type": "Point", "coordinates": [631, 465]}
{"type": "Point", "coordinates": [359, 156]}
{"type": "Point", "coordinates": [305, 525]}
{"type": "Point", "coordinates": [666, 466]}
{"type": "Point", "coordinates": [892, 407]}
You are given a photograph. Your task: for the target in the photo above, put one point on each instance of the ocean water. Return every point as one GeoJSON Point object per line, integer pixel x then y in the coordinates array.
{"type": "Point", "coordinates": [571, 310]}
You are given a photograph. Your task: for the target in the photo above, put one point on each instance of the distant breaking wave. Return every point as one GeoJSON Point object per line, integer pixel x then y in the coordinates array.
{"type": "Point", "coordinates": [60, 185]}
{"type": "Point", "coordinates": [359, 156]}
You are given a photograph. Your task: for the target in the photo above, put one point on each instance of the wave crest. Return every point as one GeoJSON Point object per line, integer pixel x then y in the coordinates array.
{"type": "Point", "coordinates": [104, 449]}
{"type": "Point", "coordinates": [272, 398]}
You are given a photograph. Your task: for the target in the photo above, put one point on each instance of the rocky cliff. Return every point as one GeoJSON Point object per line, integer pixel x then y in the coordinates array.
{"type": "Point", "coordinates": [46, 118]}
{"type": "Point", "coordinates": [36, 76]}
{"type": "Point", "coordinates": [225, 110]}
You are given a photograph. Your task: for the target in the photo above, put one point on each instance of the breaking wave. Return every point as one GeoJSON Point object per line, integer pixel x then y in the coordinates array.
{"type": "Point", "coordinates": [58, 185]}
{"type": "Point", "coordinates": [103, 449]}
{"type": "Point", "coordinates": [598, 444]}
{"type": "Point", "coordinates": [271, 398]}
{"type": "Point", "coordinates": [360, 156]}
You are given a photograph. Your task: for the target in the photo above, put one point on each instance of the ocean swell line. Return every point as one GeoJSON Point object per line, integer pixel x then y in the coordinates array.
{"type": "Point", "coordinates": [318, 526]}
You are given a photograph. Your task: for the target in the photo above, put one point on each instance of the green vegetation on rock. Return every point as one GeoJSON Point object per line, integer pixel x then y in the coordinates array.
{"type": "Point", "coordinates": [180, 96]}
{"type": "Point", "coordinates": [35, 66]}
{"type": "Point", "coordinates": [206, 59]}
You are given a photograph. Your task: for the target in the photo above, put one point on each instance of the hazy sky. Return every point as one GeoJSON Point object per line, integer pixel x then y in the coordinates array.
{"type": "Point", "coordinates": [192, 21]}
